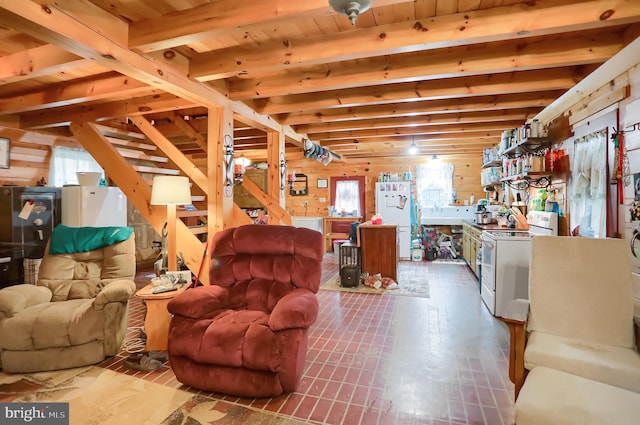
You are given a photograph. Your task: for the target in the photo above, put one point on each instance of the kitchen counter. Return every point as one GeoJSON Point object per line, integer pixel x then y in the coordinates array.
{"type": "Point", "coordinates": [445, 215]}
{"type": "Point", "coordinates": [492, 226]}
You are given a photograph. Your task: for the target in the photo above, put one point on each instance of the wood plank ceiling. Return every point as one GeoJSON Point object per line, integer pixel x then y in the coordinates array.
{"type": "Point", "coordinates": [449, 75]}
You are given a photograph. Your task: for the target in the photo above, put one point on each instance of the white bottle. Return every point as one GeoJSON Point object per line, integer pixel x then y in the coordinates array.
{"type": "Point", "coordinates": [472, 199]}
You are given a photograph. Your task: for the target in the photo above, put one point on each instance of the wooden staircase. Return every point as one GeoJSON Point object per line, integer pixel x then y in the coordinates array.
{"type": "Point", "coordinates": [130, 161]}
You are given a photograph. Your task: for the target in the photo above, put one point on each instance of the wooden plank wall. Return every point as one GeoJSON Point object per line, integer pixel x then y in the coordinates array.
{"type": "Point", "coordinates": [29, 156]}
{"type": "Point", "coordinates": [466, 179]}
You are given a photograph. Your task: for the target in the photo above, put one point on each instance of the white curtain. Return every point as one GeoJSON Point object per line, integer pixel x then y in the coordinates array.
{"type": "Point", "coordinates": [66, 161]}
{"type": "Point", "coordinates": [348, 196]}
{"type": "Point", "coordinates": [434, 183]}
{"type": "Point", "coordinates": [588, 198]}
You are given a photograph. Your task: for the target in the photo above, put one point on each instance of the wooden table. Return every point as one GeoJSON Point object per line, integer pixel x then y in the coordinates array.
{"type": "Point", "coordinates": [379, 249]}
{"type": "Point", "coordinates": [329, 235]}
{"type": "Point", "coordinates": [156, 321]}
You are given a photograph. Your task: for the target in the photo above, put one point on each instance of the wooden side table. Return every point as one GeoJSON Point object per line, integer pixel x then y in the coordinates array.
{"type": "Point", "coordinates": [156, 321]}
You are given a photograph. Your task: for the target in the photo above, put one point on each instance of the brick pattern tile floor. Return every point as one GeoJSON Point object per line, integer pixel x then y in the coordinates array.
{"type": "Point", "coordinates": [384, 359]}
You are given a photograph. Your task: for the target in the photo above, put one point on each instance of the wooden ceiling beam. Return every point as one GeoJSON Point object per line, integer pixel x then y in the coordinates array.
{"type": "Point", "coordinates": [408, 138]}
{"type": "Point", "coordinates": [70, 93]}
{"type": "Point", "coordinates": [383, 151]}
{"type": "Point", "coordinates": [433, 65]}
{"type": "Point", "coordinates": [436, 119]}
{"type": "Point", "coordinates": [521, 20]}
{"type": "Point", "coordinates": [402, 145]}
{"type": "Point", "coordinates": [71, 30]}
{"type": "Point", "coordinates": [455, 88]}
{"type": "Point", "coordinates": [418, 131]}
{"type": "Point", "coordinates": [37, 62]}
{"type": "Point", "coordinates": [479, 103]}
{"type": "Point", "coordinates": [104, 111]}
{"type": "Point", "coordinates": [217, 17]}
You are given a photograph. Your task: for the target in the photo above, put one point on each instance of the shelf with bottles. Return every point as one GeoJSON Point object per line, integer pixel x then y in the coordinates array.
{"type": "Point", "coordinates": [492, 163]}
{"type": "Point", "coordinates": [528, 138]}
{"type": "Point", "coordinates": [538, 179]}
{"type": "Point", "coordinates": [491, 158]}
{"type": "Point", "coordinates": [530, 145]}
{"type": "Point", "coordinates": [298, 184]}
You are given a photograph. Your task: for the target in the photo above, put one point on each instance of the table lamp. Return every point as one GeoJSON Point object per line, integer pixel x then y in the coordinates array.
{"type": "Point", "coordinates": [171, 191]}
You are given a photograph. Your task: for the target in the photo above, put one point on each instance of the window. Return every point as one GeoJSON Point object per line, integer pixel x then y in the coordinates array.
{"type": "Point", "coordinates": [347, 193]}
{"type": "Point", "coordinates": [434, 182]}
{"type": "Point", "coordinates": [347, 196]}
{"type": "Point", "coordinates": [66, 161]}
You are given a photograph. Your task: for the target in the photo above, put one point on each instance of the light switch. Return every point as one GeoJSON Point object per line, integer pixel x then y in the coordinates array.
{"type": "Point", "coordinates": [323, 199]}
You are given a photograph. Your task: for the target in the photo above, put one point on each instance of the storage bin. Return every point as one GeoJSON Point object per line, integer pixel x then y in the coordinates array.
{"type": "Point", "coordinates": [416, 254]}
{"type": "Point", "coordinates": [336, 245]}
{"type": "Point", "coordinates": [31, 267]}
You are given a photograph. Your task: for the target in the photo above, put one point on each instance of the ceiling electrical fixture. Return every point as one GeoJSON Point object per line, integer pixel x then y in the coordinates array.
{"type": "Point", "coordinates": [413, 148]}
{"type": "Point", "coordinates": [351, 8]}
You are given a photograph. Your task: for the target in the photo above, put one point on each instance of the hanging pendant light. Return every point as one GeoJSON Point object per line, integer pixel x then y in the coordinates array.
{"type": "Point", "coordinates": [413, 148]}
{"type": "Point", "coordinates": [351, 8]}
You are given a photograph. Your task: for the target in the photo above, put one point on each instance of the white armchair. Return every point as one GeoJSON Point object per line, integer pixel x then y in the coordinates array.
{"type": "Point", "coordinates": [579, 317]}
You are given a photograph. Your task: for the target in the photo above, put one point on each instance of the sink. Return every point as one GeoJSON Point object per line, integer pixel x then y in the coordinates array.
{"type": "Point", "coordinates": [441, 221]}
{"type": "Point", "coordinates": [446, 216]}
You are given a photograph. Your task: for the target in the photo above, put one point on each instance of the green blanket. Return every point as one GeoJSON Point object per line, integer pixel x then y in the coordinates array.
{"type": "Point", "coordinates": [65, 239]}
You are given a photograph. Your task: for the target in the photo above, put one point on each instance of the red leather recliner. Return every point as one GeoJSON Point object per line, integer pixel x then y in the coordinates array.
{"type": "Point", "coordinates": [245, 334]}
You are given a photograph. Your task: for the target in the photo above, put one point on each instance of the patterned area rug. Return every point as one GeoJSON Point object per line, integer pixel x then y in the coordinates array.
{"type": "Point", "coordinates": [411, 283]}
{"type": "Point", "coordinates": [98, 396]}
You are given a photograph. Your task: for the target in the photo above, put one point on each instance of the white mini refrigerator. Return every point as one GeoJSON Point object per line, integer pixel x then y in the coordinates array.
{"type": "Point", "coordinates": [393, 203]}
{"type": "Point", "coordinates": [93, 206]}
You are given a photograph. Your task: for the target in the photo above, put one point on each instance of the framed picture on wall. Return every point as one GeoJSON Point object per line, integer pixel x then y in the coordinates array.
{"type": "Point", "coordinates": [323, 183]}
{"type": "Point", "coordinates": [5, 145]}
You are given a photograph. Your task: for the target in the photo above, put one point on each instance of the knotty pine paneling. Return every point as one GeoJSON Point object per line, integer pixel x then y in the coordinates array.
{"type": "Point", "coordinates": [29, 157]}
{"type": "Point", "coordinates": [466, 179]}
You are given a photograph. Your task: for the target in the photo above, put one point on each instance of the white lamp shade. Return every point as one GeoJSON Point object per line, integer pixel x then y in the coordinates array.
{"type": "Point", "coordinates": [170, 190]}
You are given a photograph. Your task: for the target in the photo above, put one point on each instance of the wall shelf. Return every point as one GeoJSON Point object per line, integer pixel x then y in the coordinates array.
{"type": "Point", "coordinates": [299, 186]}
{"type": "Point", "coordinates": [530, 145]}
{"type": "Point", "coordinates": [494, 163]}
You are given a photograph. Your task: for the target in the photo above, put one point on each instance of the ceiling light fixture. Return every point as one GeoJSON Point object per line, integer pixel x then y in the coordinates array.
{"type": "Point", "coordinates": [350, 8]}
{"type": "Point", "coordinates": [413, 148]}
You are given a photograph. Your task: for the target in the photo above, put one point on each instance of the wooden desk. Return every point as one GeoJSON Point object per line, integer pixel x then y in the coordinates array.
{"type": "Point", "coordinates": [329, 235]}
{"type": "Point", "coordinates": [156, 321]}
{"type": "Point", "coordinates": [379, 249]}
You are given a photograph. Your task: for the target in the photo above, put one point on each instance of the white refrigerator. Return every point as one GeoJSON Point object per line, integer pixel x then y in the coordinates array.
{"type": "Point", "coordinates": [393, 203]}
{"type": "Point", "coordinates": [93, 206]}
